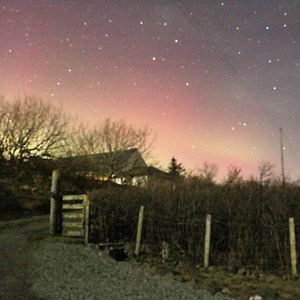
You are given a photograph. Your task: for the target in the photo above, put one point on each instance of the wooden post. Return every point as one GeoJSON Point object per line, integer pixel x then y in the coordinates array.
{"type": "Point", "coordinates": [54, 205]}
{"type": "Point", "coordinates": [282, 157]}
{"type": "Point", "coordinates": [165, 251]}
{"type": "Point", "coordinates": [139, 231]}
{"type": "Point", "coordinates": [86, 219]}
{"type": "Point", "coordinates": [207, 241]}
{"type": "Point", "coordinates": [293, 246]}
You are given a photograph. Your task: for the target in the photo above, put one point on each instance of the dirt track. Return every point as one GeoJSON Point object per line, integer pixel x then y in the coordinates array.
{"type": "Point", "coordinates": [16, 245]}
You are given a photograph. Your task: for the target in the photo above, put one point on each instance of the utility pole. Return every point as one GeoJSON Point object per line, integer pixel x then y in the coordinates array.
{"type": "Point", "coordinates": [282, 157]}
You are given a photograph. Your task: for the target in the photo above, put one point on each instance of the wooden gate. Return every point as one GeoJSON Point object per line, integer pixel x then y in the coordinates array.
{"type": "Point", "coordinates": [75, 216]}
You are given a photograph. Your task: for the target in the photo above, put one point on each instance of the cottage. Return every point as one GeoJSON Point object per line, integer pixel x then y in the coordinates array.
{"type": "Point", "coordinates": [122, 167]}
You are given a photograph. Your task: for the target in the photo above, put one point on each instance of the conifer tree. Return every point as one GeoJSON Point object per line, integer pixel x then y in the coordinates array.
{"type": "Point", "coordinates": [176, 169]}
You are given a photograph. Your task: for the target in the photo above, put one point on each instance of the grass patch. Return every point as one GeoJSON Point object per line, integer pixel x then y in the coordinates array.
{"type": "Point", "coordinates": [21, 221]}
{"type": "Point", "coordinates": [214, 280]}
{"type": "Point", "coordinates": [240, 286]}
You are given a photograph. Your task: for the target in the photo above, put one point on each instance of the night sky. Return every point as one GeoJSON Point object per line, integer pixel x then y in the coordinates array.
{"type": "Point", "coordinates": [214, 79]}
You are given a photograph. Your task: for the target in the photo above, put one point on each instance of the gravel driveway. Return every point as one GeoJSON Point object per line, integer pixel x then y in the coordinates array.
{"type": "Point", "coordinates": [68, 271]}
{"type": "Point", "coordinates": [47, 270]}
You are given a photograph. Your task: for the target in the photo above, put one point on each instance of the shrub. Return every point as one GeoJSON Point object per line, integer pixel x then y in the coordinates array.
{"type": "Point", "coordinates": [249, 219]}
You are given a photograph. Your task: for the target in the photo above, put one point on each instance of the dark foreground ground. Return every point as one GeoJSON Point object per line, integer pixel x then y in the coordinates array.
{"type": "Point", "coordinates": [35, 266]}
{"type": "Point", "coordinates": [17, 243]}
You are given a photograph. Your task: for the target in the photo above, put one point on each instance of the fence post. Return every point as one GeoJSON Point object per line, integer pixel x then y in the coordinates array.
{"type": "Point", "coordinates": [207, 241]}
{"type": "Point", "coordinates": [86, 219]}
{"type": "Point", "coordinates": [54, 205]}
{"type": "Point", "coordinates": [139, 231]}
{"type": "Point", "coordinates": [165, 251]}
{"type": "Point", "coordinates": [293, 246]}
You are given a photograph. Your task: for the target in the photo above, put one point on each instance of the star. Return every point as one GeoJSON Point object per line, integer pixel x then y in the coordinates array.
{"type": "Point", "coordinates": [219, 68]}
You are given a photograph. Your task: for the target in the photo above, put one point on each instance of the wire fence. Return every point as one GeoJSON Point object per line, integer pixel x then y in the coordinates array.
{"type": "Point", "coordinates": [233, 243]}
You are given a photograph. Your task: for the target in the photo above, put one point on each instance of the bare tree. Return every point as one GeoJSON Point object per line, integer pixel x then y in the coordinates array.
{"type": "Point", "coordinates": [266, 172]}
{"type": "Point", "coordinates": [208, 172]}
{"type": "Point", "coordinates": [30, 127]}
{"type": "Point", "coordinates": [111, 136]}
{"type": "Point", "coordinates": [116, 141]}
{"type": "Point", "coordinates": [233, 175]}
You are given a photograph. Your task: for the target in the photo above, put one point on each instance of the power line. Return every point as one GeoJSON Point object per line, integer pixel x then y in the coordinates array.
{"type": "Point", "coordinates": [222, 56]}
{"type": "Point", "coordinates": [282, 157]}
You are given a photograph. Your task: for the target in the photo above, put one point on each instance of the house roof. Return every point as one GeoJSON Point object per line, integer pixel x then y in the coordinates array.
{"type": "Point", "coordinates": [118, 163]}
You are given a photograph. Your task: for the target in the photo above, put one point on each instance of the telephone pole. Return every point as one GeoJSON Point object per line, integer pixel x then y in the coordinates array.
{"type": "Point", "coordinates": [282, 156]}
